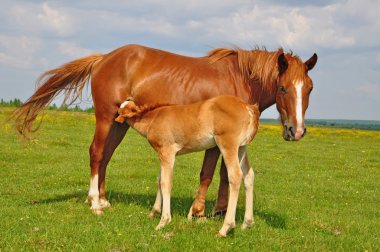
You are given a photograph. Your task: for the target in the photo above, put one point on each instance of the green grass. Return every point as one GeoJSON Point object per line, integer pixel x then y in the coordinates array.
{"type": "Point", "coordinates": [320, 194]}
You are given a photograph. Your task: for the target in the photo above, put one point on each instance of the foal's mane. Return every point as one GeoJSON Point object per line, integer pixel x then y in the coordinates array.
{"type": "Point", "coordinates": [143, 109]}
{"type": "Point", "coordinates": [257, 64]}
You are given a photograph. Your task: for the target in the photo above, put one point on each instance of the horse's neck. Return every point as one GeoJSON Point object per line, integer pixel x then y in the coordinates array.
{"type": "Point", "coordinates": [264, 97]}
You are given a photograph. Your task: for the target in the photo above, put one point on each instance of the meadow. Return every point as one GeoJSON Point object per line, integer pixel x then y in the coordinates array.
{"type": "Point", "coordinates": [318, 194]}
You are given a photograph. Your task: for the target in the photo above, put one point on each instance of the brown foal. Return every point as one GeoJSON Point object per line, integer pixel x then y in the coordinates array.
{"type": "Point", "coordinates": [224, 121]}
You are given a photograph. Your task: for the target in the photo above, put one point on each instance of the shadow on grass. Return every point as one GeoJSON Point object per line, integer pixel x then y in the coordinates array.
{"type": "Point", "coordinates": [179, 205]}
{"type": "Point", "coordinates": [272, 219]}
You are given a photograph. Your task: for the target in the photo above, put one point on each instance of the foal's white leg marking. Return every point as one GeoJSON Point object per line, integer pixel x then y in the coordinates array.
{"type": "Point", "coordinates": [94, 195]}
{"type": "Point", "coordinates": [299, 117]}
{"type": "Point", "coordinates": [124, 104]}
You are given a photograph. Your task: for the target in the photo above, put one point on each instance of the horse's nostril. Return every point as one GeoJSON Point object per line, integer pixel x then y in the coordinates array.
{"type": "Point", "coordinates": [304, 132]}
{"type": "Point", "coordinates": [291, 131]}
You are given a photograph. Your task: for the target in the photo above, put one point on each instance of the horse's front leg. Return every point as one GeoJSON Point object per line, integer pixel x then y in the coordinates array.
{"type": "Point", "coordinates": [167, 158]}
{"type": "Point", "coordinates": [208, 168]}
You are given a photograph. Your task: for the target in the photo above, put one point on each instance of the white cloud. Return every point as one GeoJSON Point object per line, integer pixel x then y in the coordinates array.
{"type": "Point", "coordinates": [19, 52]}
{"type": "Point", "coordinates": [71, 49]}
{"type": "Point", "coordinates": [41, 19]}
{"type": "Point", "coordinates": [55, 19]}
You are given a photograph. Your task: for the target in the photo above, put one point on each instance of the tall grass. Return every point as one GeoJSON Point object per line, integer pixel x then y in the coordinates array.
{"type": "Point", "coordinates": [321, 193]}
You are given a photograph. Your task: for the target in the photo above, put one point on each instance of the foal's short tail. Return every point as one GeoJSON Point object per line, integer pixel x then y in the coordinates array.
{"type": "Point", "coordinates": [69, 78]}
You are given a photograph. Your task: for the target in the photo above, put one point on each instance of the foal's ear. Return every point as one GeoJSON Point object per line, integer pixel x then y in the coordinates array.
{"type": "Point", "coordinates": [282, 63]}
{"type": "Point", "coordinates": [127, 111]}
{"type": "Point", "coordinates": [310, 63]}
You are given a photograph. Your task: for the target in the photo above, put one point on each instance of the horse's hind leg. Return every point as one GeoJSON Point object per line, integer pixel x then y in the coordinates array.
{"type": "Point", "coordinates": [208, 168]}
{"type": "Point", "coordinates": [108, 135]}
{"type": "Point", "coordinates": [220, 207]}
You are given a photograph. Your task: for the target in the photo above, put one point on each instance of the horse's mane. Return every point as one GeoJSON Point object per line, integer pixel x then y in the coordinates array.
{"type": "Point", "coordinates": [257, 64]}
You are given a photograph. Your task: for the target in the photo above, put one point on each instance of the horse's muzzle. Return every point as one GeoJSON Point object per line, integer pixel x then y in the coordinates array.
{"type": "Point", "coordinates": [291, 134]}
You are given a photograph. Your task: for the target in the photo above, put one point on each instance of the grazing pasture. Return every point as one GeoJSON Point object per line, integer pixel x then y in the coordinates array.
{"type": "Point", "coordinates": [321, 193]}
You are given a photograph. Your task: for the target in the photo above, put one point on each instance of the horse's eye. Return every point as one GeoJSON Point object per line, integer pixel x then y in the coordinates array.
{"type": "Point", "coordinates": [282, 90]}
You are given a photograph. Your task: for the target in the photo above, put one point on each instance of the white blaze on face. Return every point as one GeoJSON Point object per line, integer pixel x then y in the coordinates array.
{"type": "Point", "coordinates": [298, 85]}
{"type": "Point", "coordinates": [124, 104]}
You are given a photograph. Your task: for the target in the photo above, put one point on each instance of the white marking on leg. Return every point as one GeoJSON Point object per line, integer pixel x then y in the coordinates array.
{"type": "Point", "coordinates": [299, 117]}
{"type": "Point", "coordinates": [94, 191]}
{"type": "Point", "coordinates": [124, 104]}
{"type": "Point", "coordinates": [94, 195]}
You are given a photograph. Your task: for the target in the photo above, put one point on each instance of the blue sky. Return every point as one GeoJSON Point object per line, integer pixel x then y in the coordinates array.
{"type": "Point", "coordinates": [36, 36]}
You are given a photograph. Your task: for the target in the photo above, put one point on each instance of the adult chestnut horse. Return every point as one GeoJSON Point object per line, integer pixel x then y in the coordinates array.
{"type": "Point", "coordinates": [153, 76]}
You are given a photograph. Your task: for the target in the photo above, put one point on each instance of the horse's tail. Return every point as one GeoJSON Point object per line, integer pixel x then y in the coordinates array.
{"type": "Point", "coordinates": [69, 78]}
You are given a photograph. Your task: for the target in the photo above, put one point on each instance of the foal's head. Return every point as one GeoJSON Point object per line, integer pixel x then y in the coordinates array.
{"type": "Point", "coordinates": [293, 91]}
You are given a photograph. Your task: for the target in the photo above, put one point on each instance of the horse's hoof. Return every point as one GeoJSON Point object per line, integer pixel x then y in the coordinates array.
{"type": "Point", "coordinates": [201, 219]}
{"type": "Point", "coordinates": [97, 210]}
{"type": "Point", "coordinates": [219, 213]}
{"type": "Point", "coordinates": [104, 203]}
{"type": "Point", "coordinates": [87, 201]}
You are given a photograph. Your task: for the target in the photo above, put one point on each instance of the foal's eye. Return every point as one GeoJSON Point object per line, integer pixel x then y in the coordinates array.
{"type": "Point", "coordinates": [282, 90]}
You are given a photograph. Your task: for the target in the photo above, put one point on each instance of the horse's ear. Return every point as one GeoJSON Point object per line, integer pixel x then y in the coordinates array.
{"type": "Point", "coordinates": [282, 63]}
{"type": "Point", "coordinates": [310, 63]}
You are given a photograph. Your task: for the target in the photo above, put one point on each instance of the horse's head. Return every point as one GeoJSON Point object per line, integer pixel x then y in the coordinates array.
{"type": "Point", "coordinates": [293, 91]}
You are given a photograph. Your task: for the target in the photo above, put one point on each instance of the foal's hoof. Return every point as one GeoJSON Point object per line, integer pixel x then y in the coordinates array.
{"type": "Point", "coordinates": [225, 229]}
{"type": "Point", "coordinates": [247, 224]}
{"type": "Point", "coordinates": [220, 235]}
{"type": "Point", "coordinates": [153, 213]}
{"type": "Point", "coordinates": [163, 223]}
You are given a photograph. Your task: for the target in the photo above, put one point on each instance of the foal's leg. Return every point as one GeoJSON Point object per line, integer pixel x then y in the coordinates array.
{"type": "Point", "coordinates": [158, 202]}
{"type": "Point", "coordinates": [108, 135]}
{"type": "Point", "coordinates": [248, 177]}
{"type": "Point", "coordinates": [208, 169]}
{"type": "Point", "coordinates": [167, 158]}
{"type": "Point", "coordinates": [230, 155]}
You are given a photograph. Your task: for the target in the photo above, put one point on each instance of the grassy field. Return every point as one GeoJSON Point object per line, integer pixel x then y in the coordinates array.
{"type": "Point", "coordinates": [319, 194]}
